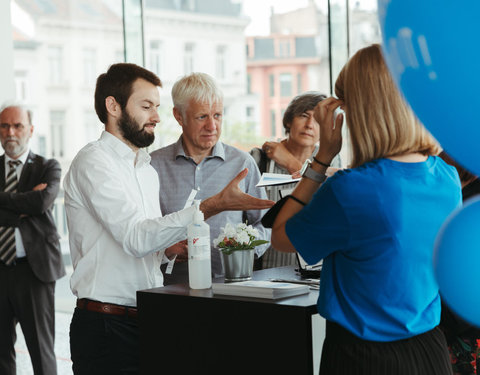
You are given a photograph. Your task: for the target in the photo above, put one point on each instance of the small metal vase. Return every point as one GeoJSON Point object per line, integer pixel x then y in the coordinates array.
{"type": "Point", "coordinates": [238, 265]}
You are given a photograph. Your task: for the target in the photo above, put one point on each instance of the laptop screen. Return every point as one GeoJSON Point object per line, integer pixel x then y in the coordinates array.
{"type": "Point", "coordinates": [304, 265]}
{"type": "Point", "coordinates": [306, 270]}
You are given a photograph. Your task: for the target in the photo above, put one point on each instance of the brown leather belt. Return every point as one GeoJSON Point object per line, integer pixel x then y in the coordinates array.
{"type": "Point", "coordinates": [106, 308]}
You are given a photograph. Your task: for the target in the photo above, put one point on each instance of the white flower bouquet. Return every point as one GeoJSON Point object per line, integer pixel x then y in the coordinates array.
{"type": "Point", "coordinates": [239, 237]}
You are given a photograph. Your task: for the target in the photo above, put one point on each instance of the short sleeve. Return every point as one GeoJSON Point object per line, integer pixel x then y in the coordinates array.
{"type": "Point", "coordinates": [321, 227]}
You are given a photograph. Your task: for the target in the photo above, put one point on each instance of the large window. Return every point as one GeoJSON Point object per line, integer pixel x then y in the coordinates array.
{"type": "Point", "coordinates": [59, 49]}
{"type": "Point", "coordinates": [261, 52]}
{"type": "Point", "coordinates": [364, 28]}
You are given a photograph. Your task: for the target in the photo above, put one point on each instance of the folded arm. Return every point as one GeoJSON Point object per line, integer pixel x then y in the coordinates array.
{"type": "Point", "coordinates": [9, 218]}
{"type": "Point", "coordinates": [40, 198]}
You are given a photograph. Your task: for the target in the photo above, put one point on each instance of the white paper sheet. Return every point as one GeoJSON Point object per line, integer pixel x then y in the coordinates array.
{"type": "Point", "coordinates": [269, 179]}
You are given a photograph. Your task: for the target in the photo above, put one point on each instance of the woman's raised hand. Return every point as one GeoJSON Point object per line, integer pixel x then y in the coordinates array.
{"type": "Point", "coordinates": [330, 128]}
{"type": "Point", "coordinates": [279, 153]}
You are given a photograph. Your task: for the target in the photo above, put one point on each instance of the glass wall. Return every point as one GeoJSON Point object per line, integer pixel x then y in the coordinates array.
{"type": "Point", "coordinates": [363, 25]}
{"type": "Point", "coordinates": [59, 49]}
{"type": "Point", "coordinates": [262, 54]}
{"type": "Point", "coordinates": [133, 31]}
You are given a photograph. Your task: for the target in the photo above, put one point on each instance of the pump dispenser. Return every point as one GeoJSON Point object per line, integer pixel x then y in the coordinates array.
{"type": "Point", "coordinates": [199, 265]}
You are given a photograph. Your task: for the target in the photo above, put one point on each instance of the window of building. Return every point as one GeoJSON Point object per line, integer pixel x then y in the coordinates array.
{"type": "Point", "coordinates": [188, 58]}
{"type": "Point", "coordinates": [271, 84]}
{"type": "Point", "coordinates": [299, 83]}
{"type": "Point", "coordinates": [250, 112]}
{"type": "Point", "coordinates": [220, 64]}
{"type": "Point", "coordinates": [57, 133]}
{"type": "Point", "coordinates": [284, 48]}
{"type": "Point", "coordinates": [273, 123]}
{"type": "Point", "coordinates": [21, 86]}
{"type": "Point", "coordinates": [155, 52]}
{"type": "Point", "coordinates": [55, 65]}
{"type": "Point", "coordinates": [249, 83]}
{"type": "Point", "coordinates": [286, 85]}
{"type": "Point", "coordinates": [89, 66]}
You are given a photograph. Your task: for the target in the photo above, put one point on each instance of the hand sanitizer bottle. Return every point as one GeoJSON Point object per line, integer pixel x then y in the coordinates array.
{"type": "Point", "coordinates": [199, 265]}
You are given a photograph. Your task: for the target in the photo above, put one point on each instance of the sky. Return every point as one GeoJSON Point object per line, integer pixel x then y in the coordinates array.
{"type": "Point", "coordinates": [259, 11]}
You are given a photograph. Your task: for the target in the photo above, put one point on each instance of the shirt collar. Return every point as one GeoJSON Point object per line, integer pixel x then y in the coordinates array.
{"type": "Point", "coordinates": [123, 150]}
{"type": "Point", "coordinates": [23, 158]}
{"type": "Point", "coordinates": [217, 152]}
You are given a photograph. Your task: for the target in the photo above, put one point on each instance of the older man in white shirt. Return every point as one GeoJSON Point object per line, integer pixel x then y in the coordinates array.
{"type": "Point", "coordinates": [117, 233]}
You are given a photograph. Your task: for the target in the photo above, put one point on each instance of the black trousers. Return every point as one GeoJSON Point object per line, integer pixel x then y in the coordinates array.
{"type": "Point", "coordinates": [103, 344]}
{"type": "Point", "coordinates": [345, 354]}
{"type": "Point", "coordinates": [26, 300]}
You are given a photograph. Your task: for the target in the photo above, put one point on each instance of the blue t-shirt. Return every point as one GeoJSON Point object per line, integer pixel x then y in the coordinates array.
{"type": "Point", "coordinates": [375, 228]}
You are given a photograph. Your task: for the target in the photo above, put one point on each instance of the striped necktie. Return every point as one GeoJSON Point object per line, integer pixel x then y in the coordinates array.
{"type": "Point", "coordinates": [8, 251]}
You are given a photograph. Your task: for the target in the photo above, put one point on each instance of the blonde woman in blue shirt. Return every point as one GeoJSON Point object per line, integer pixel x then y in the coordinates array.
{"type": "Point", "coordinates": [374, 225]}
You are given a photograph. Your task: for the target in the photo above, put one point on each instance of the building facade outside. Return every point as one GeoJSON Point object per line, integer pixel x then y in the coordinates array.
{"type": "Point", "coordinates": [61, 46]}
{"type": "Point", "coordinates": [291, 60]}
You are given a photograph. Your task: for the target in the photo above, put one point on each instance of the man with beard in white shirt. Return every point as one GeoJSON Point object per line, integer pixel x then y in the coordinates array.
{"type": "Point", "coordinates": [118, 237]}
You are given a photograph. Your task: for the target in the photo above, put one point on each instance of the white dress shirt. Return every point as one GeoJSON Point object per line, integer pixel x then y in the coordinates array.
{"type": "Point", "coordinates": [18, 236]}
{"type": "Point", "coordinates": [116, 230]}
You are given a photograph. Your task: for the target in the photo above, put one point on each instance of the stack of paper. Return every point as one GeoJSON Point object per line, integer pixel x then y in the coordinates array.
{"type": "Point", "coordinates": [260, 289]}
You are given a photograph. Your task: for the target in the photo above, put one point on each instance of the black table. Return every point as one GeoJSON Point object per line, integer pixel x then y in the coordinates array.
{"type": "Point", "coordinates": [185, 331]}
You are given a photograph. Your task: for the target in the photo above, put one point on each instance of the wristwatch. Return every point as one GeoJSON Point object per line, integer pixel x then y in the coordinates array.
{"type": "Point", "coordinates": [312, 174]}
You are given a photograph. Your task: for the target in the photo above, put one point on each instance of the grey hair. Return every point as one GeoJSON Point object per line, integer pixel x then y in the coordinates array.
{"type": "Point", "coordinates": [199, 87]}
{"type": "Point", "coordinates": [18, 105]}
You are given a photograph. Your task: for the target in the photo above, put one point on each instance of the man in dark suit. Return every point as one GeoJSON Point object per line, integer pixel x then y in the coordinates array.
{"type": "Point", "coordinates": [30, 256]}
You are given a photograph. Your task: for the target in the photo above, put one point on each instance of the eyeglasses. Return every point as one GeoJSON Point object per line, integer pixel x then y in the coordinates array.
{"type": "Point", "coordinates": [17, 127]}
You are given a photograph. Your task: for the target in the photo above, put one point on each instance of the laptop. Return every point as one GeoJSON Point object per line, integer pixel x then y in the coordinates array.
{"type": "Point", "coordinates": [308, 271]}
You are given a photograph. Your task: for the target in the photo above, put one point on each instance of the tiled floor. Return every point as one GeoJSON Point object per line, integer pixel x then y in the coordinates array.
{"type": "Point", "coordinates": [64, 305]}
{"type": "Point", "coordinates": [62, 348]}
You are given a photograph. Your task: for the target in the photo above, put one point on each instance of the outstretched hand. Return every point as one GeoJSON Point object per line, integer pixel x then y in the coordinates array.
{"type": "Point", "coordinates": [232, 198]}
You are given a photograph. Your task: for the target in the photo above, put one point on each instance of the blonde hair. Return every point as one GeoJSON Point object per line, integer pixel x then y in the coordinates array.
{"type": "Point", "coordinates": [199, 87]}
{"type": "Point", "coordinates": [380, 121]}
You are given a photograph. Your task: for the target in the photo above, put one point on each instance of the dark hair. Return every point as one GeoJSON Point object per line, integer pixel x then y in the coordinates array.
{"type": "Point", "coordinates": [118, 82]}
{"type": "Point", "coordinates": [300, 104]}
{"type": "Point", "coordinates": [465, 175]}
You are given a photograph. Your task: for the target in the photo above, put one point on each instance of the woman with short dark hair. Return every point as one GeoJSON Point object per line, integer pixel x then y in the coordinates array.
{"type": "Point", "coordinates": [288, 156]}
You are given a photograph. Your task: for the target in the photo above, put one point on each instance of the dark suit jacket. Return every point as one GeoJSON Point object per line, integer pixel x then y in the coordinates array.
{"type": "Point", "coordinates": [38, 230]}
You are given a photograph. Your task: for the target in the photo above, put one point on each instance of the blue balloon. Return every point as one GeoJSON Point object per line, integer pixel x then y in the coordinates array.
{"type": "Point", "coordinates": [457, 261]}
{"type": "Point", "coordinates": [431, 48]}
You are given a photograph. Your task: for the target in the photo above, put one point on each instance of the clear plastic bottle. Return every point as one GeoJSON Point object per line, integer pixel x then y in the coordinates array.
{"type": "Point", "coordinates": [199, 265]}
